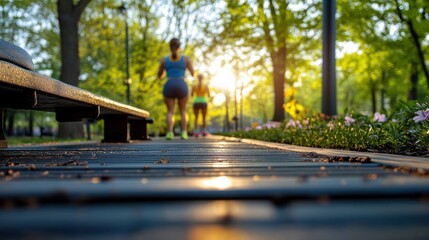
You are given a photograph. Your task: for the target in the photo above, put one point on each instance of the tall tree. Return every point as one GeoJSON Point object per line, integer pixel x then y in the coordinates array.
{"type": "Point", "coordinates": [396, 28]}
{"type": "Point", "coordinates": [69, 14]}
{"type": "Point", "coordinates": [417, 24]}
{"type": "Point", "coordinates": [278, 29]}
{"type": "Point", "coordinates": [274, 25]}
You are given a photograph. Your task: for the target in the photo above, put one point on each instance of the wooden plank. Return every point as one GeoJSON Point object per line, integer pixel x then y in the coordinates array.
{"type": "Point", "coordinates": [252, 220]}
{"type": "Point", "coordinates": [192, 169]}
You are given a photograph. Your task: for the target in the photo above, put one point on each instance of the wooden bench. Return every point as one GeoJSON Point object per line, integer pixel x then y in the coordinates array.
{"type": "Point", "coordinates": [22, 88]}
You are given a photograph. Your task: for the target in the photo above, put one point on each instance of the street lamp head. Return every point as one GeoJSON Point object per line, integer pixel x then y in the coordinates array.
{"type": "Point", "coordinates": [122, 9]}
{"type": "Point", "coordinates": [128, 81]}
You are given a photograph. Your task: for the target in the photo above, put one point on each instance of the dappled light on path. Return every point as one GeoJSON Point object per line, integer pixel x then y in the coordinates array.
{"type": "Point", "coordinates": [216, 232]}
{"type": "Point", "coordinates": [220, 183]}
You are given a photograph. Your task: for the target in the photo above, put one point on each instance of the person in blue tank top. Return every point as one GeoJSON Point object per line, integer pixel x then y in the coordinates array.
{"type": "Point", "coordinates": [176, 88]}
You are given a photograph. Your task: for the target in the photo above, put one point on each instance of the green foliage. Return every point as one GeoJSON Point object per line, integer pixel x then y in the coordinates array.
{"type": "Point", "coordinates": [400, 133]}
{"type": "Point", "coordinates": [379, 68]}
{"type": "Point", "coordinates": [387, 50]}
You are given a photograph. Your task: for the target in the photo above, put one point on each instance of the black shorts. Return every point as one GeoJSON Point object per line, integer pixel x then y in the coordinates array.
{"type": "Point", "coordinates": [175, 88]}
{"type": "Point", "coordinates": [201, 106]}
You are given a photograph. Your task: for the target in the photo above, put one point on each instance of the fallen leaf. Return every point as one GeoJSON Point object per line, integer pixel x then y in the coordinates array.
{"type": "Point", "coordinates": [163, 161]}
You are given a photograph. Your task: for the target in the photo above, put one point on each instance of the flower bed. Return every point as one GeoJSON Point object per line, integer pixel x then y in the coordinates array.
{"type": "Point", "coordinates": [405, 131]}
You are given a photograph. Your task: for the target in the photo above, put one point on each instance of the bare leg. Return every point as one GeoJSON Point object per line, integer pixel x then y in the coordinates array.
{"type": "Point", "coordinates": [204, 113]}
{"type": "Point", "coordinates": [196, 119]}
{"type": "Point", "coordinates": [183, 115]}
{"type": "Point", "coordinates": [169, 102]}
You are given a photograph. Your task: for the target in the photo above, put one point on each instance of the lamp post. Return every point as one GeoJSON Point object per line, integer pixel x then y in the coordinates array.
{"type": "Point", "coordinates": [128, 80]}
{"type": "Point", "coordinates": [226, 126]}
{"type": "Point", "coordinates": [329, 89]}
{"type": "Point", "coordinates": [241, 106]}
{"type": "Point", "coordinates": [235, 97]}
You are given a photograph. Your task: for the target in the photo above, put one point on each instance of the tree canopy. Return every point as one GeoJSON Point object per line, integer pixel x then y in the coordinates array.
{"type": "Point", "coordinates": [251, 50]}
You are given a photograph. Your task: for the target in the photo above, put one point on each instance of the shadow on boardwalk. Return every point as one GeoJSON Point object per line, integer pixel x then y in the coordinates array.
{"type": "Point", "coordinates": [205, 189]}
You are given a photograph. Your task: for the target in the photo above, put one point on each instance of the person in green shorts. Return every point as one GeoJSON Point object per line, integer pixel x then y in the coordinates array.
{"type": "Point", "coordinates": [201, 93]}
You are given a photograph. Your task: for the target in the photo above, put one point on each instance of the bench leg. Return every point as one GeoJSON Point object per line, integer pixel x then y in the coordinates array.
{"type": "Point", "coordinates": [76, 114]}
{"type": "Point", "coordinates": [115, 128]}
{"type": "Point", "coordinates": [138, 129]}
{"type": "Point", "coordinates": [3, 141]}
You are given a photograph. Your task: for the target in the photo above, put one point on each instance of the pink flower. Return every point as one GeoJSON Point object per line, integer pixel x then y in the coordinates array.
{"type": "Point", "coordinates": [290, 124]}
{"type": "Point", "coordinates": [331, 126]}
{"type": "Point", "coordinates": [421, 115]}
{"type": "Point", "coordinates": [306, 122]}
{"type": "Point", "coordinates": [272, 124]}
{"type": "Point", "coordinates": [349, 120]}
{"type": "Point", "coordinates": [378, 117]}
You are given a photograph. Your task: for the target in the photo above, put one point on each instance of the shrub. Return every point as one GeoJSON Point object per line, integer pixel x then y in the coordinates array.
{"type": "Point", "coordinates": [404, 131]}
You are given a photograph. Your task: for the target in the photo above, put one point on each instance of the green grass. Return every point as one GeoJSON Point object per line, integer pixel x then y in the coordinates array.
{"type": "Point", "coordinates": [21, 140]}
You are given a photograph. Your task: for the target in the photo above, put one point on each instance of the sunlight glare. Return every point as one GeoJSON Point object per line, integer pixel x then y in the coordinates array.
{"type": "Point", "coordinates": [223, 78]}
{"type": "Point", "coordinates": [219, 99]}
{"type": "Point", "coordinates": [219, 183]}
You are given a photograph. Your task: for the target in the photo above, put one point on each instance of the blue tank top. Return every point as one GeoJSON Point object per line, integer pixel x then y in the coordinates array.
{"type": "Point", "coordinates": [175, 69]}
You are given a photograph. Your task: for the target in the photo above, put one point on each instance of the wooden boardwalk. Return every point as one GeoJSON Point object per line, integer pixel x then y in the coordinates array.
{"type": "Point", "coordinates": [209, 189]}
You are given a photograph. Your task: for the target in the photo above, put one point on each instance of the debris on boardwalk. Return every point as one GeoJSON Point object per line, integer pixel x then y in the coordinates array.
{"type": "Point", "coordinates": [326, 158]}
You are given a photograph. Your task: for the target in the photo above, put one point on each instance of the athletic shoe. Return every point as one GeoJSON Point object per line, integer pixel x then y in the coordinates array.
{"type": "Point", "coordinates": [205, 133]}
{"type": "Point", "coordinates": [169, 136]}
{"type": "Point", "coordinates": [184, 135]}
{"type": "Point", "coordinates": [196, 134]}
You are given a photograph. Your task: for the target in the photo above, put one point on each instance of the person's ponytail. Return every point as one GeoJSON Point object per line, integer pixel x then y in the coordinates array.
{"type": "Point", "coordinates": [174, 46]}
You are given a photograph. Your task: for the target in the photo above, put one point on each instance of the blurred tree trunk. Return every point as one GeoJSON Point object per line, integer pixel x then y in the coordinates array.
{"type": "Point", "coordinates": [10, 122]}
{"type": "Point", "coordinates": [374, 99]}
{"type": "Point", "coordinates": [68, 18]}
{"type": "Point", "coordinates": [383, 92]}
{"type": "Point", "coordinates": [30, 123]}
{"type": "Point", "coordinates": [279, 69]}
{"type": "Point", "coordinates": [414, 77]}
{"type": "Point", "coordinates": [276, 45]}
